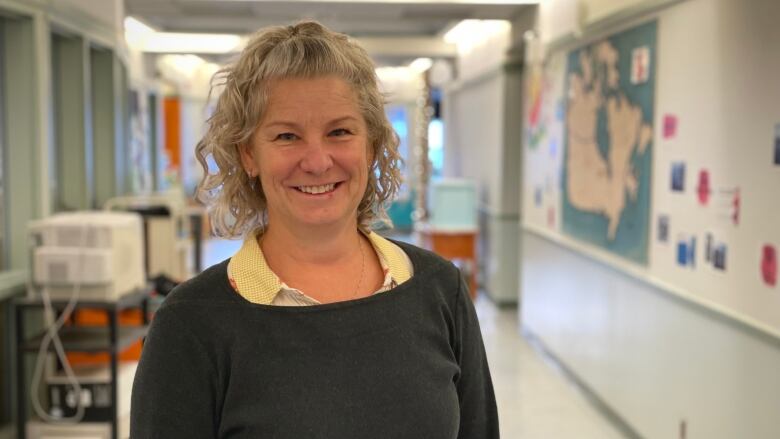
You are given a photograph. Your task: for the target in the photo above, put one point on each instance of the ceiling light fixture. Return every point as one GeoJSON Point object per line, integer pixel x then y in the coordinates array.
{"type": "Point", "coordinates": [136, 32]}
{"type": "Point", "coordinates": [142, 37]}
{"type": "Point", "coordinates": [421, 64]}
{"type": "Point", "coordinates": [169, 42]}
{"type": "Point", "coordinates": [469, 33]}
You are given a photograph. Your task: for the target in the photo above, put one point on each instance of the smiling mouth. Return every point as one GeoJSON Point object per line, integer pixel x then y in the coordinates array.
{"type": "Point", "coordinates": [318, 190]}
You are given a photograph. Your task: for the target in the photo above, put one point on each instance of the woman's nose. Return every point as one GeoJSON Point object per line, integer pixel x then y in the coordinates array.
{"type": "Point", "coordinates": [316, 159]}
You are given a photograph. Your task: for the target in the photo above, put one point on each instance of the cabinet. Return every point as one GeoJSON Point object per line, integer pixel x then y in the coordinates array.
{"type": "Point", "coordinates": [453, 244]}
{"type": "Point", "coordinates": [112, 339]}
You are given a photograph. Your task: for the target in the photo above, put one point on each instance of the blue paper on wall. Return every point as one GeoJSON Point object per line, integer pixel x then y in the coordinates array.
{"type": "Point", "coordinates": [678, 176]}
{"type": "Point", "coordinates": [686, 252]}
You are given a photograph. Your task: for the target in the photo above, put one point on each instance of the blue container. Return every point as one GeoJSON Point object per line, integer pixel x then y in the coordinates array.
{"type": "Point", "coordinates": [453, 204]}
{"type": "Point", "coordinates": [400, 212]}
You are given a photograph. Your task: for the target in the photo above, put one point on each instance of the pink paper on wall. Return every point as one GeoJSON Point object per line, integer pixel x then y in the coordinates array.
{"type": "Point", "coordinates": [670, 126]}
{"type": "Point", "coordinates": [703, 190]}
{"type": "Point", "coordinates": [736, 203]}
{"type": "Point", "coordinates": [769, 265]}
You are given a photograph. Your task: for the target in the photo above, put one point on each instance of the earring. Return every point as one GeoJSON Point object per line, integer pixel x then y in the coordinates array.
{"type": "Point", "coordinates": [250, 174]}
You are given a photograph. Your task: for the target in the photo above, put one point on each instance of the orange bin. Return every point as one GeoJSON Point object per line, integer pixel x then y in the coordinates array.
{"type": "Point", "coordinates": [99, 317]}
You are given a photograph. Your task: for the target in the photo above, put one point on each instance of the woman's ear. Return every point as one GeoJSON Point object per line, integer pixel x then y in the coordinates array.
{"type": "Point", "coordinates": [247, 158]}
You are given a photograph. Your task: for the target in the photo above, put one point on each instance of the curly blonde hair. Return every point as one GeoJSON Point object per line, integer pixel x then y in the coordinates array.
{"type": "Point", "coordinates": [236, 202]}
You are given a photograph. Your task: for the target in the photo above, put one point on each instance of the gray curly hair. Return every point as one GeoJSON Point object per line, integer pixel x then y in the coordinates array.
{"type": "Point", "coordinates": [236, 202]}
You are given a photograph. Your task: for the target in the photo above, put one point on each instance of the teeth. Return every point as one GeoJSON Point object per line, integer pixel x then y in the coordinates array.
{"type": "Point", "coordinates": [317, 189]}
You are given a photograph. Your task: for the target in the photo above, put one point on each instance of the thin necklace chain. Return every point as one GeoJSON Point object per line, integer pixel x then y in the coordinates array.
{"type": "Point", "coordinates": [362, 262]}
{"type": "Point", "coordinates": [362, 266]}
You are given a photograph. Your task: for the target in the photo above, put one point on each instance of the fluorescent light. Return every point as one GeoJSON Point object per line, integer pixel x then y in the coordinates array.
{"type": "Point", "coordinates": [184, 63]}
{"type": "Point", "coordinates": [469, 33]}
{"type": "Point", "coordinates": [136, 26]}
{"type": "Point", "coordinates": [136, 32]}
{"type": "Point", "coordinates": [421, 64]}
{"type": "Point", "coordinates": [391, 74]}
{"type": "Point", "coordinates": [460, 30]}
{"type": "Point", "coordinates": [169, 42]}
{"type": "Point", "coordinates": [142, 37]}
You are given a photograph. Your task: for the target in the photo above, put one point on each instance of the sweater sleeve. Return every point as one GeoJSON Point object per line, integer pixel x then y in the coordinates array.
{"type": "Point", "coordinates": [173, 391]}
{"type": "Point", "coordinates": [478, 412]}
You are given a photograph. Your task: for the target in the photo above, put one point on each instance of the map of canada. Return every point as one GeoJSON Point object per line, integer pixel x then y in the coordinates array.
{"type": "Point", "coordinates": [609, 134]}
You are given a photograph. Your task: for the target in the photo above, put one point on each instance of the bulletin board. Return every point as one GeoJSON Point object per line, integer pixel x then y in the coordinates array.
{"type": "Point", "coordinates": [656, 154]}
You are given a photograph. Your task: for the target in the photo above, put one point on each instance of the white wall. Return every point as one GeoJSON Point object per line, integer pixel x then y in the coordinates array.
{"type": "Point", "coordinates": [664, 345]}
{"type": "Point", "coordinates": [483, 123]}
{"type": "Point", "coordinates": [108, 12]}
{"type": "Point", "coordinates": [103, 19]}
{"type": "Point", "coordinates": [650, 356]}
{"type": "Point", "coordinates": [559, 18]}
{"type": "Point", "coordinates": [567, 19]}
{"type": "Point", "coordinates": [726, 126]}
{"type": "Point", "coordinates": [477, 121]}
{"type": "Point", "coordinates": [593, 10]}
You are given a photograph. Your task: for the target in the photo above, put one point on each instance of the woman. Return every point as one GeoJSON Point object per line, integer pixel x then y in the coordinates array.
{"type": "Point", "coordinates": [317, 327]}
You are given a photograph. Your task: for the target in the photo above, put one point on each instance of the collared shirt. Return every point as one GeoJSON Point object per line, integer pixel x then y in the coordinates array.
{"type": "Point", "coordinates": [253, 279]}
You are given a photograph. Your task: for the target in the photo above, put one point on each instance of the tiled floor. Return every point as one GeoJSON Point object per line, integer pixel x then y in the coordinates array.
{"type": "Point", "coordinates": [534, 400]}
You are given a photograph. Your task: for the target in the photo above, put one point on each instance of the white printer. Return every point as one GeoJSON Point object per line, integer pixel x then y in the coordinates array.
{"type": "Point", "coordinates": [168, 240]}
{"type": "Point", "coordinates": [101, 252]}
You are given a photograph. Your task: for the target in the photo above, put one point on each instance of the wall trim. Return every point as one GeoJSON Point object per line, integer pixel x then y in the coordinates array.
{"type": "Point", "coordinates": [77, 23]}
{"type": "Point", "coordinates": [509, 65]}
{"type": "Point", "coordinates": [12, 283]}
{"type": "Point", "coordinates": [17, 7]}
{"type": "Point", "coordinates": [601, 406]}
{"type": "Point", "coordinates": [608, 24]}
{"type": "Point", "coordinates": [67, 18]}
{"type": "Point", "coordinates": [679, 295]}
{"type": "Point", "coordinates": [485, 209]}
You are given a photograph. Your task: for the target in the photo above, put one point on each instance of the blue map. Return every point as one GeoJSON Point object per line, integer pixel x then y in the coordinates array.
{"type": "Point", "coordinates": [608, 140]}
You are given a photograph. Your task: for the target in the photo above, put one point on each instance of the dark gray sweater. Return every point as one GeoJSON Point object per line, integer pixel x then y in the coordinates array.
{"type": "Point", "coordinates": [407, 363]}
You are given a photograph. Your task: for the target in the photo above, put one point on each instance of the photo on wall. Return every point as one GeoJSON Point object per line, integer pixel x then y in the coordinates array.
{"type": "Point", "coordinates": [678, 176]}
{"type": "Point", "coordinates": [719, 256]}
{"type": "Point", "coordinates": [715, 252]}
{"type": "Point", "coordinates": [777, 144]}
{"type": "Point", "coordinates": [663, 228]}
{"type": "Point", "coordinates": [729, 204]}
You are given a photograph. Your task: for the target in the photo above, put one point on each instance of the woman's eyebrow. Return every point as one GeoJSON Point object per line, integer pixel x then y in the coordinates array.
{"type": "Point", "coordinates": [343, 119]}
{"type": "Point", "coordinates": [296, 125]}
{"type": "Point", "coordinates": [281, 123]}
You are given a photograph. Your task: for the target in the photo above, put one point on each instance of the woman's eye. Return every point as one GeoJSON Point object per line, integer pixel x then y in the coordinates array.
{"type": "Point", "coordinates": [340, 132]}
{"type": "Point", "coordinates": [286, 137]}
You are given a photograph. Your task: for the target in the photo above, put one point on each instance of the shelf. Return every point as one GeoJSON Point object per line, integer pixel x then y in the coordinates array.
{"type": "Point", "coordinates": [81, 339]}
{"type": "Point", "coordinates": [92, 339]}
{"type": "Point", "coordinates": [129, 300]}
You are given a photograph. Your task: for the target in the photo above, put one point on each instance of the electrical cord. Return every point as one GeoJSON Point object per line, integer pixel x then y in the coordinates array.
{"type": "Point", "coordinates": [52, 336]}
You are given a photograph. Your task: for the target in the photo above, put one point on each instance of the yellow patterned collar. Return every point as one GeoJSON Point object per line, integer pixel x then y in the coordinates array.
{"type": "Point", "coordinates": [250, 275]}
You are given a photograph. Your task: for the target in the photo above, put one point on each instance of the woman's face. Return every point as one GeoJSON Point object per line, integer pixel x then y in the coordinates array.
{"type": "Point", "coordinates": [311, 153]}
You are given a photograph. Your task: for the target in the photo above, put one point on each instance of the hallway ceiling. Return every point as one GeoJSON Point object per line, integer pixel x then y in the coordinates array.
{"type": "Point", "coordinates": [388, 28]}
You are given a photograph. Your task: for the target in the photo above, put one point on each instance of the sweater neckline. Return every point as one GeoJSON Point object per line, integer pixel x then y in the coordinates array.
{"type": "Point", "coordinates": [419, 271]}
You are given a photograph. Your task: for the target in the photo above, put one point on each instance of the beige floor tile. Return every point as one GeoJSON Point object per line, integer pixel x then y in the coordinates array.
{"type": "Point", "coordinates": [534, 400]}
